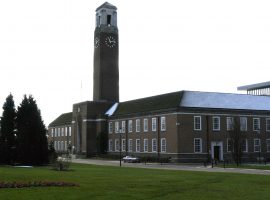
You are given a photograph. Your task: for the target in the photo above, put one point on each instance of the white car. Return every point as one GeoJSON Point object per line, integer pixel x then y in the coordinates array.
{"type": "Point", "coordinates": [130, 159]}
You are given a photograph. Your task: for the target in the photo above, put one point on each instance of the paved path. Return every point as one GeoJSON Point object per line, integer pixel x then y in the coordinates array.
{"type": "Point", "coordinates": [172, 166]}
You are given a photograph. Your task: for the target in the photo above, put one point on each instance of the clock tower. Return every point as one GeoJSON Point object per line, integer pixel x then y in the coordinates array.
{"type": "Point", "coordinates": [106, 72]}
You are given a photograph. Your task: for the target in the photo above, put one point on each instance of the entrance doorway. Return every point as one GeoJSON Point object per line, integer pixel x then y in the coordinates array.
{"type": "Point", "coordinates": [217, 151]}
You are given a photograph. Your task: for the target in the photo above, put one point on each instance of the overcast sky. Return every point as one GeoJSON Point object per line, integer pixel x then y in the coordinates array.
{"type": "Point", "coordinates": [46, 48]}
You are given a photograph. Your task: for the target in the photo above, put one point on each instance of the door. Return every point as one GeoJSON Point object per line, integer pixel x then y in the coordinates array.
{"type": "Point", "coordinates": [216, 152]}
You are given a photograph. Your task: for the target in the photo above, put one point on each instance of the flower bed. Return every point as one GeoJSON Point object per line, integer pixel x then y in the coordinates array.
{"type": "Point", "coordinates": [36, 184]}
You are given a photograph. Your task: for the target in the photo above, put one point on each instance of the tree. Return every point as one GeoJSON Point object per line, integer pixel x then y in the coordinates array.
{"type": "Point", "coordinates": [236, 137]}
{"type": "Point", "coordinates": [32, 140]}
{"type": "Point", "coordinates": [7, 138]}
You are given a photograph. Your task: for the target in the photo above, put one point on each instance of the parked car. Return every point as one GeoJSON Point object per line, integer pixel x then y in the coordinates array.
{"type": "Point", "coordinates": [130, 159]}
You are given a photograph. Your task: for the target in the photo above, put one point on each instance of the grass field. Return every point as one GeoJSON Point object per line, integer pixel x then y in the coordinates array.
{"type": "Point", "coordinates": [102, 182]}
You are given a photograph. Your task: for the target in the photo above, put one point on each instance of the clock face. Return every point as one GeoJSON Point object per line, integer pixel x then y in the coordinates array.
{"type": "Point", "coordinates": [97, 42]}
{"type": "Point", "coordinates": [110, 41]}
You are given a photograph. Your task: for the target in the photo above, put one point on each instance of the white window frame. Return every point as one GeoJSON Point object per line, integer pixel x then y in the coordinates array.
{"type": "Point", "coordinates": [145, 124]}
{"type": "Point", "coordinates": [268, 145]}
{"type": "Point", "coordinates": [163, 145]}
{"type": "Point", "coordinates": [154, 124]}
{"type": "Point", "coordinates": [243, 123]}
{"type": "Point", "coordinates": [66, 130]}
{"type": "Point", "coordinates": [62, 131]}
{"type": "Point", "coordinates": [52, 132]}
{"type": "Point", "coordinates": [138, 145]}
{"type": "Point", "coordinates": [116, 145]}
{"type": "Point", "coordinates": [110, 145]}
{"type": "Point", "coordinates": [256, 127]}
{"type": "Point", "coordinates": [65, 145]}
{"type": "Point", "coordinates": [229, 123]}
{"type": "Point", "coordinates": [110, 127]}
{"type": "Point", "coordinates": [123, 145]}
{"type": "Point", "coordinates": [130, 145]}
{"type": "Point", "coordinates": [214, 124]}
{"type": "Point", "coordinates": [59, 132]}
{"type": "Point", "coordinates": [200, 145]}
{"type": "Point", "coordinates": [154, 145]}
{"type": "Point", "coordinates": [163, 123]}
{"type": "Point", "coordinates": [246, 145]}
{"type": "Point", "coordinates": [267, 124]}
{"type": "Point", "coordinates": [123, 126]}
{"type": "Point", "coordinates": [130, 126]}
{"type": "Point", "coordinates": [55, 145]}
{"type": "Point", "coordinates": [145, 145]}
{"type": "Point", "coordinates": [196, 123]}
{"type": "Point", "coordinates": [138, 125]}
{"type": "Point", "coordinates": [116, 128]}
{"type": "Point", "coordinates": [258, 145]}
{"type": "Point", "coordinates": [69, 132]}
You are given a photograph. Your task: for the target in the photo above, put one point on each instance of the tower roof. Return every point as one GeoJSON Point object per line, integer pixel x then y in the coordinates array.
{"type": "Point", "coordinates": [107, 5]}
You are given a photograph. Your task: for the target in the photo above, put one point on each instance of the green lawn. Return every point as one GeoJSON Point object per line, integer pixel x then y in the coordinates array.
{"type": "Point", "coordinates": [102, 182]}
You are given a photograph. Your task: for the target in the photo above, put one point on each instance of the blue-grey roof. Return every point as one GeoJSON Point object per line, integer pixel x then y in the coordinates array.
{"type": "Point", "coordinates": [255, 86]}
{"type": "Point", "coordinates": [225, 101]}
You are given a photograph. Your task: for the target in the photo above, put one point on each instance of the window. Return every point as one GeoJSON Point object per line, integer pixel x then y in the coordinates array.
{"type": "Point", "coordinates": [109, 20]}
{"type": "Point", "coordinates": [197, 123]}
{"type": "Point", "coordinates": [123, 127]}
{"type": "Point", "coordinates": [244, 145]}
{"type": "Point", "coordinates": [69, 131]}
{"type": "Point", "coordinates": [216, 123]}
{"type": "Point", "coordinates": [110, 127]}
{"type": "Point", "coordinates": [55, 132]}
{"type": "Point", "coordinates": [138, 126]}
{"type": "Point", "coordinates": [197, 145]}
{"type": "Point", "coordinates": [145, 125]}
{"type": "Point", "coordinates": [110, 144]}
{"type": "Point", "coordinates": [138, 145]}
{"type": "Point", "coordinates": [63, 131]}
{"type": "Point", "coordinates": [55, 145]}
{"type": "Point", "coordinates": [58, 146]}
{"type": "Point", "coordinates": [257, 145]}
{"type": "Point", "coordinates": [243, 123]}
{"type": "Point", "coordinates": [163, 124]}
{"type": "Point", "coordinates": [59, 134]}
{"type": "Point", "coordinates": [129, 126]}
{"type": "Point", "coordinates": [66, 130]}
{"type": "Point", "coordinates": [116, 127]}
{"type": "Point", "coordinates": [123, 145]}
{"type": "Point", "coordinates": [268, 145]}
{"type": "Point", "coordinates": [65, 145]}
{"type": "Point", "coordinates": [130, 145]}
{"type": "Point", "coordinates": [145, 145]}
{"type": "Point", "coordinates": [229, 145]}
{"type": "Point", "coordinates": [154, 145]}
{"type": "Point", "coordinates": [163, 145]}
{"type": "Point", "coordinates": [52, 132]}
{"type": "Point", "coordinates": [267, 121]}
{"type": "Point", "coordinates": [154, 124]}
{"type": "Point", "coordinates": [116, 145]}
{"type": "Point", "coordinates": [256, 124]}
{"type": "Point", "coordinates": [230, 123]}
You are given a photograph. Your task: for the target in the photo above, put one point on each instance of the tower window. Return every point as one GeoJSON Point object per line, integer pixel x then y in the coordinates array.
{"type": "Point", "coordinates": [109, 20]}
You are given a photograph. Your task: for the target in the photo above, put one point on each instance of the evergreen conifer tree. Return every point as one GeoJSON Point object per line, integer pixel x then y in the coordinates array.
{"type": "Point", "coordinates": [32, 140]}
{"type": "Point", "coordinates": [7, 137]}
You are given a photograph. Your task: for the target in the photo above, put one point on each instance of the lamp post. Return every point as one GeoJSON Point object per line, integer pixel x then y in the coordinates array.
{"type": "Point", "coordinates": [120, 147]}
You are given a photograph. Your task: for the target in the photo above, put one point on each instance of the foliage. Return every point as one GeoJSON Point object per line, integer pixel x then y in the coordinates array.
{"type": "Point", "coordinates": [105, 182]}
{"type": "Point", "coordinates": [32, 140]}
{"type": "Point", "coordinates": [52, 153]}
{"type": "Point", "coordinates": [7, 137]}
{"type": "Point", "coordinates": [62, 163]}
{"type": "Point", "coordinates": [21, 184]}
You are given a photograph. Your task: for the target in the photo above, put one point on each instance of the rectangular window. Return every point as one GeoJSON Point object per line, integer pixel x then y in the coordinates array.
{"type": "Point", "coordinates": [116, 124]}
{"type": "Point", "coordinates": [257, 145]}
{"type": "Point", "coordinates": [154, 145]}
{"type": "Point", "coordinates": [268, 145]}
{"type": "Point", "coordinates": [197, 145]}
{"type": "Point", "coordinates": [145, 145]}
{"type": "Point", "coordinates": [256, 124]}
{"type": "Point", "coordinates": [59, 132]}
{"type": "Point", "coordinates": [123, 145]}
{"type": "Point", "coordinates": [69, 131]}
{"type": "Point", "coordinates": [66, 130]}
{"type": "Point", "coordinates": [138, 125]}
{"type": "Point", "coordinates": [65, 145]}
{"type": "Point", "coordinates": [110, 144]}
{"type": "Point", "coordinates": [138, 145]}
{"type": "Point", "coordinates": [197, 123]}
{"type": "Point", "coordinates": [123, 128]}
{"type": "Point", "coordinates": [63, 130]}
{"type": "Point", "coordinates": [229, 123]}
{"type": "Point", "coordinates": [244, 145]}
{"type": "Point", "coordinates": [55, 132]}
{"type": "Point", "coordinates": [110, 127]}
{"type": "Point", "coordinates": [229, 145]}
{"type": "Point", "coordinates": [130, 145]}
{"type": "Point", "coordinates": [130, 126]}
{"type": "Point", "coordinates": [163, 124]}
{"type": "Point", "coordinates": [145, 125]}
{"type": "Point", "coordinates": [52, 132]}
{"type": "Point", "coordinates": [243, 123]}
{"type": "Point", "coordinates": [109, 20]}
{"type": "Point", "coordinates": [55, 145]}
{"type": "Point", "coordinates": [216, 123]}
{"type": "Point", "coordinates": [163, 145]}
{"type": "Point", "coordinates": [154, 124]}
{"type": "Point", "coordinates": [116, 145]}
{"type": "Point", "coordinates": [267, 122]}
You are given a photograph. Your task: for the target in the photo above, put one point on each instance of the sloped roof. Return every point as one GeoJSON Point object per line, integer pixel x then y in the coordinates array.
{"type": "Point", "coordinates": [255, 86]}
{"type": "Point", "coordinates": [154, 103]}
{"type": "Point", "coordinates": [63, 119]}
{"type": "Point", "coordinates": [225, 101]}
{"type": "Point", "coordinates": [106, 5]}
